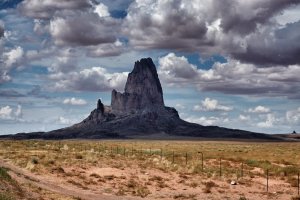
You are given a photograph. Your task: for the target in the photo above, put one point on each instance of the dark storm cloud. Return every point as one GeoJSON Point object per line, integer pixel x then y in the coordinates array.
{"type": "Point", "coordinates": [46, 9]}
{"type": "Point", "coordinates": [245, 30]}
{"type": "Point", "coordinates": [10, 93]}
{"type": "Point", "coordinates": [233, 77]}
{"type": "Point", "coordinates": [83, 29]}
{"type": "Point", "coordinates": [243, 17]}
{"type": "Point", "coordinates": [1, 31]}
{"type": "Point", "coordinates": [281, 48]}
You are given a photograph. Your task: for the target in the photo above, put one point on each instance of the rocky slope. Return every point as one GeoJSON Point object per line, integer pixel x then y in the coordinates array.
{"type": "Point", "coordinates": [140, 112]}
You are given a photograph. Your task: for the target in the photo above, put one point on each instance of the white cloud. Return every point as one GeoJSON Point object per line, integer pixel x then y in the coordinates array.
{"type": "Point", "coordinates": [179, 106]}
{"type": "Point", "coordinates": [101, 10]}
{"type": "Point", "coordinates": [19, 112]}
{"type": "Point", "coordinates": [269, 122]}
{"type": "Point", "coordinates": [64, 121]}
{"type": "Point", "coordinates": [244, 117]}
{"type": "Point", "coordinates": [89, 79]}
{"type": "Point", "coordinates": [83, 29]}
{"type": "Point", "coordinates": [234, 28]}
{"type": "Point", "coordinates": [232, 77]}
{"type": "Point", "coordinates": [74, 101]}
{"type": "Point", "coordinates": [293, 116]}
{"type": "Point", "coordinates": [47, 8]}
{"type": "Point", "coordinates": [6, 112]}
{"type": "Point", "coordinates": [211, 105]}
{"type": "Point", "coordinates": [207, 121]}
{"type": "Point", "coordinates": [13, 56]}
{"type": "Point", "coordinates": [259, 109]}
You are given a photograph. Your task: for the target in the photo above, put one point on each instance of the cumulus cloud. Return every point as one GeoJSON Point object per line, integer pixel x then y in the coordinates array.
{"type": "Point", "coordinates": [90, 79]}
{"type": "Point", "coordinates": [244, 118]}
{"type": "Point", "coordinates": [211, 105]}
{"type": "Point", "coordinates": [230, 27]}
{"type": "Point", "coordinates": [74, 101]}
{"type": "Point", "coordinates": [233, 77]}
{"type": "Point", "coordinates": [269, 122]}
{"type": "Point", "coordinates": [102, 10]}
{"type": "Point", "coordinates": [46, 9]}
{"type": "Point", "coordinates": [259, 109]}
{"type": "Point", "coordinates": [106, 50]}
{"type": "Point", "coordinates": [10, 59]}
{"type": "Point", "coordinates": [13, 56]}
{"type": "Point", "coordinates": [207, 121]}
{"type": "Point", "coordinates": [8, 113]}
{"type": "Point", "coordinates": [83, 29]}
{"type": "Point", "coordinates": [180, 106]}
{"type": "Point", "coordinates": [64, 121]}
{"type": "Point", "coordinates": [293, 116]}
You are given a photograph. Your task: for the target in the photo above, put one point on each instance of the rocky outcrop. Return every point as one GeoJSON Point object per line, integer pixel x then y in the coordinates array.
{"type": "Point", "coordinates": [140, 112]}
{"type": "Point", "coordinates": [142, 89]}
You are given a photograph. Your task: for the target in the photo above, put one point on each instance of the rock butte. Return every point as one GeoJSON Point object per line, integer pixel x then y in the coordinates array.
{"type": "Point", "coordinates": [140, 112]}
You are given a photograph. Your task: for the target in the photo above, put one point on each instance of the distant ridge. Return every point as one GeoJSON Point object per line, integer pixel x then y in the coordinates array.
{"type": "Point", "coordinates": [140, 112]}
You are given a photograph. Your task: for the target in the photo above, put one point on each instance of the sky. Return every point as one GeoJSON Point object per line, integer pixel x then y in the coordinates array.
{"type": "Point", "coordinates": [230, 63]}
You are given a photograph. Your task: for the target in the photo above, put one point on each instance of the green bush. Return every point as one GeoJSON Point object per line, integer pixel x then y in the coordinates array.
{"type": "Point", "coordinates": [4, 175]}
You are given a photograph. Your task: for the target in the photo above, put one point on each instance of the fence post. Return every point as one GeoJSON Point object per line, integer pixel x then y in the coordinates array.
{"type": "Point", "coordinates": [150, 151]}
{"type": "Point", "coordinates": [298, 183]}
{"type": "Point", "coordinates": [220, 167]}
{"type": "Point", "coordinates": [242, 172]}
{"type": "Point", "coordinates": [186, 158]}
{"type": "Point", "coordinates": [173, 157]}
{"type": "Point", "coordinates": [124, 151]}
{"type": "Point", "coordinates": [202, 164]}
{"type": "Point", "coordinates": [267, 180]}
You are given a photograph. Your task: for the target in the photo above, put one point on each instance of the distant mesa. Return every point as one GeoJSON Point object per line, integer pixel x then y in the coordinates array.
{"type": "Point", "coordinates": [140, 112]}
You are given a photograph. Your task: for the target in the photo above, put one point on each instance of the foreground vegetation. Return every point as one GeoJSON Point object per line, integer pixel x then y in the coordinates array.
{"type": "Point", "coordinates": [142, 168]}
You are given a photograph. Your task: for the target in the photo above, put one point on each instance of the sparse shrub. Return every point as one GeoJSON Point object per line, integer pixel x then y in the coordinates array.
{"type": "Point", "coordinates": [290, 170]}
{"type": "Point", "coordinates": [121, 192]}
{"type": "Point", "coordinates": [4, 196]}
{"type": "Point", "coordinates": [4, 175]}
{"type": "Point", "coordinates": [156, 178]}
{"type": "Point", "coordinates": [34, 161]}
{"type": "Point", "coordinates": [194, 184]}
{"type": "Point", "coordinates": [242, 198]}
{"type": "Point", "coordinates": [208, 186]}
{"type": "Point", "coordinates": [109, 177]}
{"type": "Point", "coordinates": [293, 181]}
{"type": "Point", "coordinates": [142, 191]}
{"type": "Point", "coordinates": [78, 156]}
{"type": "Point", "coordinates": [132, 183]}
{"type": "Point", "coordinates": [95, 175]}
{"type": "Point", "coordinates": [295, 198]}
{"type": "Point", "coordinates": [197, 169]}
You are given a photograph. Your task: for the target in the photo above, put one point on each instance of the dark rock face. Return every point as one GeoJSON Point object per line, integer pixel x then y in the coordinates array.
{"type": "Point", "coordinates": [142, 89]}
{"type": "Point", "coordinates": [139, 111]}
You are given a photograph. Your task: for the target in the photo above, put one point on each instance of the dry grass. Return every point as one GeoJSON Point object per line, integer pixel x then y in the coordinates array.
{"type": "Point", "coordinates": [72, 159]}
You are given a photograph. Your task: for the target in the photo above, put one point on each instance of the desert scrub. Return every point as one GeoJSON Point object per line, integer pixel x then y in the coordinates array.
{"type": "Point", "coordinates": [5, 196]}
{"type": "Point", "coordinates": [208, 186]}
{"type": "Point", "coordinates": [295, 198]}
{"type": "Point", "coordinates": [4, 175]}
{"type": "Point", "coordinates": [35, 161]}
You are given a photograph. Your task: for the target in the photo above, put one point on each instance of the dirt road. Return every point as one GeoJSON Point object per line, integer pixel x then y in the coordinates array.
{"type": "Point", "coordinates": [24, 176]}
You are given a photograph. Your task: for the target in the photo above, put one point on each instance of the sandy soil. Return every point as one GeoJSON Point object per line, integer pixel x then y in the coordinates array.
{"type": "Point", "coordinates": [105, 183]}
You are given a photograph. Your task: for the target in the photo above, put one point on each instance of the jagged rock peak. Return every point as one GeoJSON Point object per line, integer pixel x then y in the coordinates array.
{"type": "Point", "coordinates": [144, 70]}
{"type": "Point", "coordinates": [142, 89]}
{"type": "Point", "coordinates": [100, 106]}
